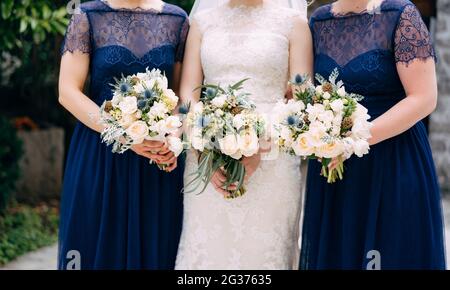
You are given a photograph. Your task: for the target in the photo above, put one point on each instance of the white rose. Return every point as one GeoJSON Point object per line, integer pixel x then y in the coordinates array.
{"type": "Point", "coordinates": [361, 130]}
{"type": "Point", "coordinates": [296, 106]}
{"type": "Point", "coordinates": [175, 145]}
{"type": "Point", "coordinates": [326, 117]}
{"type": "Point", "coordinates": [198, 108]}
{"type": "Point", "coordinates": [319, 90]}
{"type": "Point", "coordinates": [361, 113]}
{"type": "Point", "coordinates": [128, 105]}
{"type": "Point", "coordinates": [158, 109]}
{"type": "Point", "coordinates": [238, 121]}
{"type": "Point", "coordinates": [326, 96]}
{"type": "Point", "coordinates": [286, 134]}
{"type": "Point", "coordinates": [219, 101]}
{"type": "Point", "coordinates": [172, 124]}
{"type": "Point", "coordinates": [360, 147]}
{"type": "Point", "coordinates": [117, 98]}
{"type": "Point", "coordinates": [316, 133]}
{"type": "Point", "coordinates": [127, 120]}
{"type": "Point", "coordinates": [159, 128]}
{"type": "Point", "coordinates": [348, 143]}
{"type": "Point", "coordinates": [229, 145]}
{"type": "Point", "coordinates": [314, 111]}
{"type": "Point", "coordinates": [138, 131]}
{"type": "Point", "coordinates": [197, 139]}
{"type": "Point", "coordinates": [341, 92]}
{"type": "Point", "coordinates": [248, 143]}
{"type": "Point", "coordinates": [302, 145]}
{"type": "Point", "coordinates": [337, 105]}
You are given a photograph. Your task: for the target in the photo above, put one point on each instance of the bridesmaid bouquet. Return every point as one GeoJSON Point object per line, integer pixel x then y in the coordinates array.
{"type": "Point", "coordinates": [141, 109]}
{"type": "Point", "coordinates": [224, 127]}
{"type": "Point", "coordinates": [323, 122]}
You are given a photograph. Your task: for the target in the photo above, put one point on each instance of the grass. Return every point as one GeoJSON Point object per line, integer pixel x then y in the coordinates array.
{"type": "Point", "coordinates": [24, 229]}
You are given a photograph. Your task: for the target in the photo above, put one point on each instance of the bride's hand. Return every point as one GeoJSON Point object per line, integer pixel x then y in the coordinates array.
{"type": "Point", "coordinates": [218, 181]}
{"type": "Point", "coordinates": [251, 165]}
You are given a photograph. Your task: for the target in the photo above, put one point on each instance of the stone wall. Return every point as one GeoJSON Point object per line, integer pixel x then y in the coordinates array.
{"type": "Point", "coordinates": [440, 120]}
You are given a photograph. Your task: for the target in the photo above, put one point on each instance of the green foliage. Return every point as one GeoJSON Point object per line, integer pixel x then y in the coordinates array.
{"type": "Point", "coordinates": [26, 229]}
{"type": "Point", "coordinates": [10, 154]}
{"type": "Point", "coordinates": [29, 22]}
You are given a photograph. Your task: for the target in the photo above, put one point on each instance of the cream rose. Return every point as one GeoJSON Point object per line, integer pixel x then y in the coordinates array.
{"type": "Point", "coordinates": [126, 120]}
{"type": "Point", "coordinates": [330, 149]}
{"type": "Point", "coordinates": [172, 124]}
{"type": "Point", "coordinates": [229, 145]}
{"type": "Point", "coordinates": [238, 121]}
{"type": "Point", "coordinates": [326, 96]}
{"type": "Point", "coordinates": [128, 105]}
{"type": "Point", "coordinates": [248, 143]}
{"type": "Point", "coordinates": [219, 101]}
{"type": "Point", "coordinates": [302, 145]}
{"type": "Point", "coordinates": [137, 131]}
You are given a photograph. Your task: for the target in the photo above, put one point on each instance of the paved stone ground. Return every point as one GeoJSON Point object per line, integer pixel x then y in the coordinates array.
{"type": "Point", "coordinates": [45, 258]}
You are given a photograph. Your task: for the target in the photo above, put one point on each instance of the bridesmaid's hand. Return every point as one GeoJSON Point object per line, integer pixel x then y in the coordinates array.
{"type": "Point", "coordinates": [148, 149]}
{"type": "Point", "coordinates": [167, 158]}
{"type": "Point", "coordinates": [251, 164]}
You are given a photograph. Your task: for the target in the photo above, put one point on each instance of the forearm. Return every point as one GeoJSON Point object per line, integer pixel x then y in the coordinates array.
{"type": "Point", "coordinates": [401, 117]}
{"type": "Point", "coordinates": [82, 108]}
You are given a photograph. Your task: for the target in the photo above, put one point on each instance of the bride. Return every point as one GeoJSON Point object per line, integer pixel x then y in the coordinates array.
{"type": "Point", "coordinates": [268, 43]}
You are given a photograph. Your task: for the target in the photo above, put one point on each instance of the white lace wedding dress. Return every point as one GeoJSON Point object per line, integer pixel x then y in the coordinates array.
{"type": "Point", "coordinates": [259, 230]}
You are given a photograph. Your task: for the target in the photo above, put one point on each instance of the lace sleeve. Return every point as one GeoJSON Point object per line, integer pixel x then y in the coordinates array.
{"type": "Point", "coordinates": [182, 40]}
{"type": "Point", "coordinates": [412, 39]}
{"type": "Point", "coordinates": [78, 35]}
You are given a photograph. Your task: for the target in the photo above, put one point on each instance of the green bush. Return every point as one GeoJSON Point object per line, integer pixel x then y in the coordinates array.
{"type": "Point", "coordinates": [10, 154]}
{"type": "Point", "coordinates": [25, 229]}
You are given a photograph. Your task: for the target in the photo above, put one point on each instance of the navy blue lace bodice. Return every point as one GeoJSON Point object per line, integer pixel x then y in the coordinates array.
{"type": "Point", "coordinates": [126, 41]}
{"type": "Point", "coordinates": [366, 47]}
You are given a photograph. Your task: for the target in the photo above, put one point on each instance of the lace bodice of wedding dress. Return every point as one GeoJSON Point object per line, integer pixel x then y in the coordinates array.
{"type": "Point", "coordinates": [260, 229]}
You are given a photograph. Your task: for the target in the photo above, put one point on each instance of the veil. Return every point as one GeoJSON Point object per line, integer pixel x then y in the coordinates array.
{"type": "Point", "coordinates": [300, 5]}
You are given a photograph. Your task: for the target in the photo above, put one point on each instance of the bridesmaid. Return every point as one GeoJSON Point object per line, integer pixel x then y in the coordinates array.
{"type": "Point", "coordinates": [117, 210]}
{"type": "Point", "coordinates": [386, 213]}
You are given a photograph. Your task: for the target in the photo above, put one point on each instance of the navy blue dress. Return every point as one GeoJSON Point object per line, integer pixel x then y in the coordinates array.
{"type": "Point", "coordinates": [386, 213]}
{"type": "Point", "coordinates": [117, 210]}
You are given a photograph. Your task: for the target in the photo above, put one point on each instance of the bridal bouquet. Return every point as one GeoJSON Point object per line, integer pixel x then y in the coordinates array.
{"type": "Point", "coordinates": [141, 109]}
{"type": "Point", "coordinates": [323, 122]}
{"type": "Point", "coordinates": [224, 127]}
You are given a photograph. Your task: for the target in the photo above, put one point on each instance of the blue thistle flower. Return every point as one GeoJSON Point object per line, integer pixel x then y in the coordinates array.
{"type": "Point", "coordinates": [183, 109]}
{"type": "Point", "coordinates": [148, 94]}
{"type": "Point", "coordinates": [211, 93]}
{"type": "Point", "coordinates": [142, 104]}
{"type": "Point", "coordinates": [292, 120]}
{"type": "Point", "coordinates": [124, 87]}
{"type": "Point", "coordinates": [298, 80]}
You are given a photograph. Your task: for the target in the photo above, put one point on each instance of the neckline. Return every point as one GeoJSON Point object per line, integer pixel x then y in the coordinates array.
{"type": "Point", "coordinates": [135, 9]}
{"type": "Point", "coordinates": [355, 13]}
{"type": "Point", "coordinates": [245, 7]}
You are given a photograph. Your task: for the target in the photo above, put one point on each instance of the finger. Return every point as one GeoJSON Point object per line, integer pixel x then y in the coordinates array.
{"type": "Point", "coordinates": [172, 167]}
{"type": "Point", "coordinates": [149, 156]}
{"type": "Point", "coordinates": [220, 176]}
{"type": "Point", "coordinates": [221, 191]}
{"type": "Point", "coordinates": [156, 145]}
{"type": "Point", "coordinates": [166, 158]}
{"type": "Point", "coordinates": [164, 151]}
